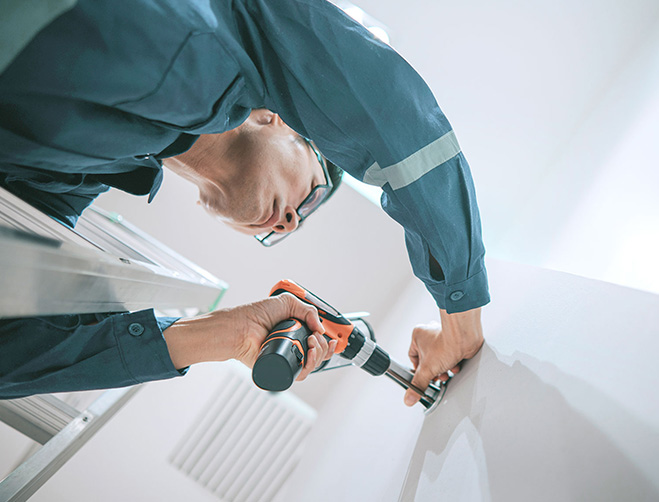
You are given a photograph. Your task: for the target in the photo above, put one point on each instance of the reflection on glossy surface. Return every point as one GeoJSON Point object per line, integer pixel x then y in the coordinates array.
{"type": "Point", "coordinates": [557, 419]}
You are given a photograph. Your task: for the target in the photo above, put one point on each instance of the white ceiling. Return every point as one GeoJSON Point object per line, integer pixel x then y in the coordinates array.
{"type": "Point", "coordinates": [555, 105]}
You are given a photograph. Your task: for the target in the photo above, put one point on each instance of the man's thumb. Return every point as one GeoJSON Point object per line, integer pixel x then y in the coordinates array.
{"type": "Point", "coordinates": [422, 378]}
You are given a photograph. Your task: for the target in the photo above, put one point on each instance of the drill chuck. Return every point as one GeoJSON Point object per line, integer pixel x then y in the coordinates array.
{"type": "Point", "coordinates": [365, 353]}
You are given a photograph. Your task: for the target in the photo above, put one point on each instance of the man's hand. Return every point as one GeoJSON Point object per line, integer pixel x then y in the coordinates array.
{"type": "Point", "coordinates": [437, 349]}
{"type": "Point", "coordinates": [237, 333]}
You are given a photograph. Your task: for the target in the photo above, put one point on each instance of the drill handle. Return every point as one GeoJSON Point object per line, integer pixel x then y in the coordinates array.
{"type": "Point", "coordinates": [337, 327]}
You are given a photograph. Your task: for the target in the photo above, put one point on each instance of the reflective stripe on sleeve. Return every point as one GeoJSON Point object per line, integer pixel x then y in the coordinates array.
{"type": "Point", "coordinates": [416, 165]}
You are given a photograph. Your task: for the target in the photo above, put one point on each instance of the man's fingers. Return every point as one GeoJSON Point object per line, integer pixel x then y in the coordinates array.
{"type": "Point", "coordinates": [319, 350]}
{"type": "Point", "coordinates": [312, 359]}
{"type": "Point", "coordinates": [294, 307]}
{"type": "Point", "coordinates": [323, 347]}
{"type": "Point", "coordinates": [413, 354]}
{"type": "Point", "coordinates": [413, 351]}
{"type": "Point", "coordinates": [332, 348]}
{"type": "Point", "coordinates": [421, 380]}
{"type": "Point", "coordinates": [445, 377]}
{"type": "Point", "coordinates": [310, 316]}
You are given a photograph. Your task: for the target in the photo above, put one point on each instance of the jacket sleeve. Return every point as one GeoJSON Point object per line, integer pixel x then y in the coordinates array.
{"type": "Point", "coordinates": [81, 352]}
{"type": "Point", "coordinates": [62, 196]}
{"type": "Point", "coordinates": [373, 115]}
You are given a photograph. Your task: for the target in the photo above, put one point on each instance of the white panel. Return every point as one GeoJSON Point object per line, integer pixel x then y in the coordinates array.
{"type": "Point", "coordinates": [560, 404]}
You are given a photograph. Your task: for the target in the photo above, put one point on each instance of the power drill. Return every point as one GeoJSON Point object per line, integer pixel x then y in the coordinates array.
{"type": "Point", "coordinates": [284, 350]}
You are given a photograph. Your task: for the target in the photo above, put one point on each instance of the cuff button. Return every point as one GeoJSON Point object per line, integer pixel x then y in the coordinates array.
{"type": "Point", "coordinates": [135, 329]}
{"type": "Point", "coordinates": [456, 295]}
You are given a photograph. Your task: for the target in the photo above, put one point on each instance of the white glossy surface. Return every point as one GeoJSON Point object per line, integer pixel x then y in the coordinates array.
{"type": "Point", "coordinates": [560, 404]}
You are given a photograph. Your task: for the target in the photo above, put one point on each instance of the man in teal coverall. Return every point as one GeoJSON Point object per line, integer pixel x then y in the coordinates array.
{"type": "Point", "coordinates": [255, 102]}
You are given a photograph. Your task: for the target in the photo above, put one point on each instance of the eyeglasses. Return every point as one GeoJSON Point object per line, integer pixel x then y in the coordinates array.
{"type": "Point", "coordinates": [312, 202]}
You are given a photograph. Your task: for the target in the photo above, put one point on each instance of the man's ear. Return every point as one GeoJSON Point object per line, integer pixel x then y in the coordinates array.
{"type": "Point", "coordinates": [263, 116]}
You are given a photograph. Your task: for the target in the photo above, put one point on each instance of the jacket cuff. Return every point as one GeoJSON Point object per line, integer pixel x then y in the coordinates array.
{"type": "Point", "coordinates": [462, 296]}
{"type": "Point", "coordinates": [142, 346]}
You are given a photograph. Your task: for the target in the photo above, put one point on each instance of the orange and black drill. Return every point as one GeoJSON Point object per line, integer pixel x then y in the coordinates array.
{"type": "Point", "coordinates": [284, 350]}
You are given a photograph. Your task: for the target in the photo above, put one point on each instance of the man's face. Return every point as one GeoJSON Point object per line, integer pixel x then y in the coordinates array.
{"type": "Point", "coordinates": [271, 170]}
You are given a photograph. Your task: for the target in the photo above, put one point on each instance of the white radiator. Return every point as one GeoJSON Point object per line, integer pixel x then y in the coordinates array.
{"type": "Point", "coordinates": [246, 442]}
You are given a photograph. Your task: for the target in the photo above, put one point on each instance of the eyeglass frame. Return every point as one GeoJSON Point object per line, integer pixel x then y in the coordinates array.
{"type": "Point", "coordinates": [328, 186]}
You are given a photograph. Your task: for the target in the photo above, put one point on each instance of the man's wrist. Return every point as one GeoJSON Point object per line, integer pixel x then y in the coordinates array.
{"type": "Point", "coordinates": [465, 328]}
{"type": "Point", "coordinates": [199, 339]}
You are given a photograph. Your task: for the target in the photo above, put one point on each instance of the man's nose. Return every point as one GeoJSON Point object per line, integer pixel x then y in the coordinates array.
{"type": "Point", "coordinates": [288, 222]}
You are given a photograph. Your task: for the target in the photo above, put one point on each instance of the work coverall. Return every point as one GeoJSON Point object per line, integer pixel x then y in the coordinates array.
{"type": "Point", "coordinates": [108, 89]}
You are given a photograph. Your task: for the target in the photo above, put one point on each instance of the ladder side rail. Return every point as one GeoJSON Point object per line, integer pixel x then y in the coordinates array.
{"type": "Point", "coordinates": [27, 478]}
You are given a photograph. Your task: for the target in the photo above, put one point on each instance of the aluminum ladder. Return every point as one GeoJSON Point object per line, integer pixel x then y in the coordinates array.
{"type": "Point", "coordinates": [104, 265]}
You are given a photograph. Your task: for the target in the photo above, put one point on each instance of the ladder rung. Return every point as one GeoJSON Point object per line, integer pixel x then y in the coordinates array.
{"type": "Point", "coordinates": [38, 417]}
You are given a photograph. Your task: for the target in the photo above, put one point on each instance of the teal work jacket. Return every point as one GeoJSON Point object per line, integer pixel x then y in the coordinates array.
{"type": "Point", "coordinates": [108, 89]}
